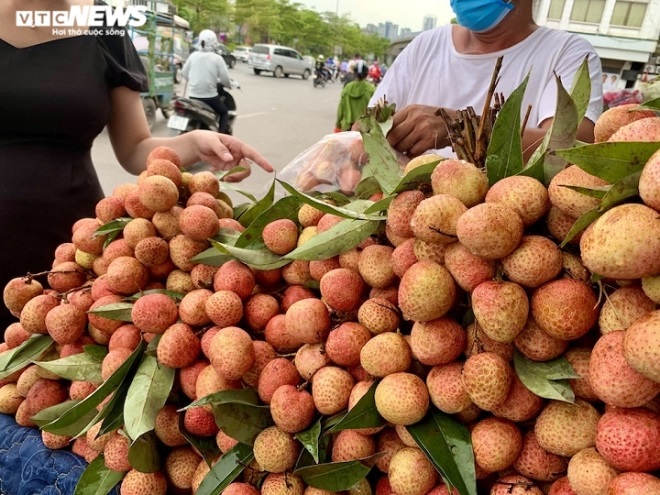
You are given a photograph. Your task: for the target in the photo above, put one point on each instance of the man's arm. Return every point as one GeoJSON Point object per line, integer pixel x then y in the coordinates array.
{"type": "Point", "coordinates": [418, 128]}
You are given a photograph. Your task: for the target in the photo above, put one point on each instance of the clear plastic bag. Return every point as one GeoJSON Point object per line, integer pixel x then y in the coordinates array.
{"type": "Point", "coordinates": [334, 163]}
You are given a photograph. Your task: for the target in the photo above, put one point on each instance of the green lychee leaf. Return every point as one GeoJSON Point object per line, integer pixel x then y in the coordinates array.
{"type": "Point", "coordinates": [120, 311]}
{"type": "Point", "coordinates": [177, 296]}
{"type": "Point", "coordinates": [363, 415]}
{"type": "Point", "coordinates": [310, 440]}
{"type": "Point", "coordinates": [146, 396]}
{"type": "Point", "coordinates": [227, 236]}
{"type": "Point", "coordinates": [259, 207]}
{"type": "Point", "coordinates": [418, 176]}
{"type": "Point", "coordinates": [613, 161]}
{"type": "Point", "coordinates": [650, 105]}
{"type": "Point", "coordinates": [113, 412]}
{"type": "Point", "coordinates": [338, 239]}
{"type": "Point", "coordinates": [581, 89]}
{"type": "Point", "coordinates": [546, 379]}
{"type": "Point", "coordinates": [504, 156]}
{"type": "Point", "coordinates": [246, 396]}
{"type": "Point", "coordinates": [569, 112]}
{"type": "Point", "coordinates": [381, 205]}
{"type": "Point", "coordinates": [242, 421]}
{"type": "Point", "coordinates": [116, 226]}
{"type": "Point", "coordinates": [284, 208]}
{"type": "Point", "coordinates": [383, 163]}
{"type": "Point", "coordinates": [366, 188]}
{"type": "Point", "coordinates": [344, 212]}
{"type": "Point", "coordinates": [626, 188]}
{"type": "Point", "coordinates": [19, 357]}
{"type": "Point", "coordinates": [212, 257]}
{"type": "Point", "coordinates": [97, 479]}
{"type": "Point", "coordinates": [337, 476]}
{"type": "Point", "coordinates": [580, 224]}
{"type": "Point", "coordinates": [97, 352]}
{"type": "Point", "coordinates": [260, 259]}
{"type": "Point", "coordinates": [561, 134]}
{"type": "Point", "coordinates": [448, 445]}
{"type": "Point", "coordinates": [144, 453]}
{"type": "Point", "coordinates": [597, 193]}
{"type": "Point", "coordinates": [81, 367]}
{"type": "Point", "coordinates": [77, 416]}
{"type": "Point", "coordinates": [226, 470]}
{"type": "Point", "coordinates": [335, 197]}
{"type": "Point", "coordinates": [232, 187]}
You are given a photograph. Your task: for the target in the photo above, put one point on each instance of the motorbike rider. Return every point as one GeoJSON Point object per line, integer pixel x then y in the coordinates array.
{"type": "Point", "coordinates": [375, 73]}
{"type": "Point", "coordinates": [203, 70]}
{"type": "Point", "coordinates": [321, 71]}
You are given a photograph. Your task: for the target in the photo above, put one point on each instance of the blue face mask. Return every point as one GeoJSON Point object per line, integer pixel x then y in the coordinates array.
{"type": "Point", "coordinates": [480, 15]}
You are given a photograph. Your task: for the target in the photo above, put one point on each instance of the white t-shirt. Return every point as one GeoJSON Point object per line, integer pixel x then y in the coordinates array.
{"type": "Point", "coordinates": [429, 71]}
{"type": "Point", "coordinates": [203, 70]}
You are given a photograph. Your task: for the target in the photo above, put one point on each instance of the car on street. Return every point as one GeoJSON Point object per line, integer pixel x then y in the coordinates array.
{"type": "Point", "coordinates": [242, 53]}
{"type": "Point", "coordinates": [281, 61]}
{"type": "Point", "coordinates": [230, 59]}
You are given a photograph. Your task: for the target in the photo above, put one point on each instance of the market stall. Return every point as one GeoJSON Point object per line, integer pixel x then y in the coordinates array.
{"type": "Point", "coordinates": [400, 327]}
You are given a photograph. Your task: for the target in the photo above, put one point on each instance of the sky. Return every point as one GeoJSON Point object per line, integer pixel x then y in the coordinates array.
{"type": "Point", "coordinates": [405, 13]}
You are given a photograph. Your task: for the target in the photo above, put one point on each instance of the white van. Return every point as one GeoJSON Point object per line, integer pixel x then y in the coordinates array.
{"type": "Point", "coordinates": [242, 53]}
{"type": "Point", "coordinates": [279, 60]}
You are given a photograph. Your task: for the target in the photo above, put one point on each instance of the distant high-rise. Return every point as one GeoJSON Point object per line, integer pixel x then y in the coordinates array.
{"type": "Point", "coordinates": [429, 22]}
{"type": "Point", "coordinates": [388, 30]}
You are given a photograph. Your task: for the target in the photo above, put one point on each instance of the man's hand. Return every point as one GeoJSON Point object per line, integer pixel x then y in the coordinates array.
{"type": "Point", "coordinates": [416, 129]}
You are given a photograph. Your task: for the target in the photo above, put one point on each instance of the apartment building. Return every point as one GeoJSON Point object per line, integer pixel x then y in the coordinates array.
{"type": "Point", "coordinates": [625, 34]}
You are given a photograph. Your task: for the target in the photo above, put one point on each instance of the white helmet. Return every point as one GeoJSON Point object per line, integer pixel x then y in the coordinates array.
{"type": "Point", "coordinates": [207, 40]}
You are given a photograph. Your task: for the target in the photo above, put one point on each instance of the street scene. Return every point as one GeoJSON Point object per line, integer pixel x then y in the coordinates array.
{"type": "Point", "coordinates": [280, 117]}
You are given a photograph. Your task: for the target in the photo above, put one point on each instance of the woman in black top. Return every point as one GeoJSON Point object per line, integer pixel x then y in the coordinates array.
{"type": "Point", "coordinates": [56, 96]}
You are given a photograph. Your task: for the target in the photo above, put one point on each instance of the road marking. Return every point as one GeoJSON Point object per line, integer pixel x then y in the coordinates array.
{"type": "Point", "coordinates": [248, 115]}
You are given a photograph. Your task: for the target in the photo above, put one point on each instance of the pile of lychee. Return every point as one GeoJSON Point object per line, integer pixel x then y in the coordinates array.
{"type": "Point", "coordinates": [463, 282]}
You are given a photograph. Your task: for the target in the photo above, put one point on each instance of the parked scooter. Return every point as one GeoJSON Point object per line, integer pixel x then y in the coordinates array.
{"type": "Point", "coordinates": [190, 114]}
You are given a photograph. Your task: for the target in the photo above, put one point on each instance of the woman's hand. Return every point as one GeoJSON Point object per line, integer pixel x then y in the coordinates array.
{"type": "Point", "coordinates": [132, 141]}
{"type": "Point", "coordinates": [224, 152]}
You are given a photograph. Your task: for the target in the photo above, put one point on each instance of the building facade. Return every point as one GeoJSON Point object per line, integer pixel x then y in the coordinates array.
{"type": "Point", "coordinates": [624, 33]}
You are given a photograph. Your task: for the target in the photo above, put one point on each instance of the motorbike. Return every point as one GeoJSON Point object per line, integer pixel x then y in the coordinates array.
{"type": "Point", "coordinates": [321, 76]}
{"type": "Point", "coordinates": [190, 114]}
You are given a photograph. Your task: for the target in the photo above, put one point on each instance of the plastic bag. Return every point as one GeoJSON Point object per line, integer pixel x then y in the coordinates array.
{"type": "Point", "coordinates": [334, 163]}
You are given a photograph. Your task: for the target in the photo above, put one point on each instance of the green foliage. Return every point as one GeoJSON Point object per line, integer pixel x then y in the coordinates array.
{"type": "Point", "coordinates": [447, 444]}
{"type": "Point", "coordinates": [548, 379]}
{"type": "Point", "coordinates": [283, 22]}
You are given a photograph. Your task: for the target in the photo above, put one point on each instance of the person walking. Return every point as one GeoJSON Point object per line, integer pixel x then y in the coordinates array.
{"type": "Point", "coordinates": [354, 98]}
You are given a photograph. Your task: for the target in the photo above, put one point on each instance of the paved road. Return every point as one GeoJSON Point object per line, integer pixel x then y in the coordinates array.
{"type": "Point", "coordinates": [279, 117]}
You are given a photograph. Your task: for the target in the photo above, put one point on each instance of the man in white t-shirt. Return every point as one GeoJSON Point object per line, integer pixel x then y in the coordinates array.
{"type": "Point", "coordinates": [451, 67]}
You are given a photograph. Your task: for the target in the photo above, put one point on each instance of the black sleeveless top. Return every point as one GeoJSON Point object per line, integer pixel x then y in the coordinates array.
{"type": "Point", "coordinates": [54, 101]}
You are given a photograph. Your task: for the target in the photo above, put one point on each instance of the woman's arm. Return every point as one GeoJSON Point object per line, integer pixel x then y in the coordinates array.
{"type": "Point", "coordinates": [132, 141]}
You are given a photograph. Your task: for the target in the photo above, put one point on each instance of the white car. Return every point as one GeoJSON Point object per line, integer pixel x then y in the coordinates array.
{"type": "Point", "coordinates": [242, 53]}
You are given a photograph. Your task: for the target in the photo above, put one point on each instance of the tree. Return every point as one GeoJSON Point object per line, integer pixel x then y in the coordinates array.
{"type": "Point", "coordinates": [205, 14]}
